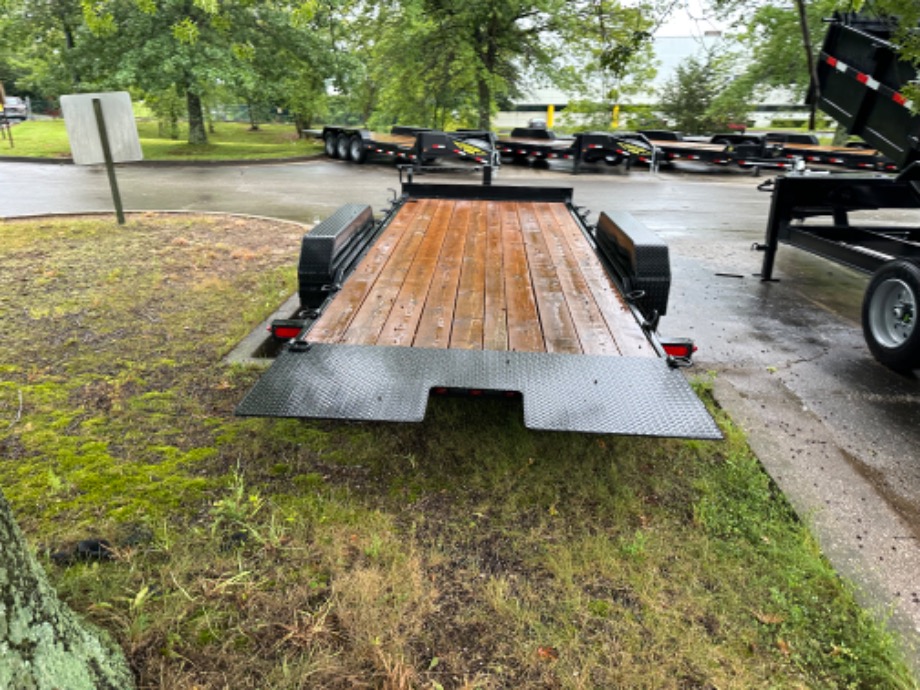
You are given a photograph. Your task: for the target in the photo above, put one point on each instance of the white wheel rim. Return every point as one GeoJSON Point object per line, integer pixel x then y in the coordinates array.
{"type": "Point", "coordinates": [893, 313]}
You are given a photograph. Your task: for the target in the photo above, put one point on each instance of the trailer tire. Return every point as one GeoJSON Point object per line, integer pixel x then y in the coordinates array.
{"type": "Point", "coordinates": [889, 315]}
{"type": "Point", "coordinates": [330, 144]}
{"type": "Point", "coordinates": [356, 150]}
{"type": "Point", "coordinates": [341, 147]}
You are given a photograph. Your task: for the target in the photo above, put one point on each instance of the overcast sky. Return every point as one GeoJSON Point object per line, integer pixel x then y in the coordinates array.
{"type": "Point", "coordinates": [694, 19]}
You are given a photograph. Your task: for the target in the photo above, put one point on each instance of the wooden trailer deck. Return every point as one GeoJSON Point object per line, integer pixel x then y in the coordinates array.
{"type": "Point", "coordinates": [482, 290]}
{"type": "Point", "coordinates": [482, 275]}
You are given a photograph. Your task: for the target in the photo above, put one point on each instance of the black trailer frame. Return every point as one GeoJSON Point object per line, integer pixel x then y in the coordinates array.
{"type": "Point", "coordinates": [862, 247]}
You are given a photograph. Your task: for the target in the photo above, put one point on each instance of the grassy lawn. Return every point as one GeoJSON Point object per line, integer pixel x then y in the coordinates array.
{"type": "Point", "coordinates": [229, 141]}
{"type": "Point", "coordinates": [463, 552]}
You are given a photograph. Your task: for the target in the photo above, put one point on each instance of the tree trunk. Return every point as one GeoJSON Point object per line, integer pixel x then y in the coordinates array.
{"type": "Point", "coordinates": [841, 136]}
{"type": "Point", "coordinates": [44, 645]}
{"type": "Point", "coordinates": [485, 104]}
{"type": "Point", "coordinates": [197, 134]}
{"type": "Point", "coordinates": [812, 70]}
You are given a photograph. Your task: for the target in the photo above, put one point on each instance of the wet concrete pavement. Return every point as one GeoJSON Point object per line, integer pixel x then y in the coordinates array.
{"type": "Point", "coordinates": [839, 433]}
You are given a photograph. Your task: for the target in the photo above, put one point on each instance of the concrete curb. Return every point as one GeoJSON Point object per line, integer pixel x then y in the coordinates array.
{"type": "Point", "coordinates": [173, 163]}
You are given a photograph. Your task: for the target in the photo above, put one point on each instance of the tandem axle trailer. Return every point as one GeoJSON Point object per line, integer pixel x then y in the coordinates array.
{"type": "Point", "coordinates": [484, 290]}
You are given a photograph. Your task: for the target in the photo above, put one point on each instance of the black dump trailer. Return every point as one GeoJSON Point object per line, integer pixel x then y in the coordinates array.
{"type": "Point", "coordinates": [860, 80]}
{"type": "Point", "coordinates": [483, 290]}
{"type": "Point", "coordinates": [414, 145]}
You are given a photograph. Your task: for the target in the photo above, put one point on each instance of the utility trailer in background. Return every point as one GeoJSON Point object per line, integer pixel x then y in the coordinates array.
{"type": "Point", "coordinates": [526, 145]}
{"type": "Point", "coordinates": [415, 145]}
{"type": "Point", "coordinates": [770, 151]}
{"type": "Point", "coordinates": [860, 79]}
{"type": "Point", "coordinates": [484, 290]}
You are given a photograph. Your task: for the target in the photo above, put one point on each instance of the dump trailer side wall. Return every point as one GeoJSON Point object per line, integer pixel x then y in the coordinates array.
{"type": "Point", "coordinates": [860, 78]}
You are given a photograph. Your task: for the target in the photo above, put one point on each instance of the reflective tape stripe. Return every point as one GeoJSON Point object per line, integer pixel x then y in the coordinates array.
{"type": "Point", "coordinates": [870, 83]}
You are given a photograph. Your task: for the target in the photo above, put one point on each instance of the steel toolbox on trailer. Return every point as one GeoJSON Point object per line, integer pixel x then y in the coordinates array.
{"type": "Point", "coordinates": [860, 78]}
{"type": "Point", "coordinates": [484, 290]}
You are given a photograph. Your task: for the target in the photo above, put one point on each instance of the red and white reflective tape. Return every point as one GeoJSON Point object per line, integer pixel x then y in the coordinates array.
{"type": "Point", "coordinates": [866, 79]}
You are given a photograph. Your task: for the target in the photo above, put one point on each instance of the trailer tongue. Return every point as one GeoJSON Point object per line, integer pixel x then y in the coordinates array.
{"type": "Point", "coordinates": [485, 290]}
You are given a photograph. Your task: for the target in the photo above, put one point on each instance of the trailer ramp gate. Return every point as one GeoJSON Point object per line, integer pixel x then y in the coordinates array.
{"type": "Point", "coordinates": [609, 395]}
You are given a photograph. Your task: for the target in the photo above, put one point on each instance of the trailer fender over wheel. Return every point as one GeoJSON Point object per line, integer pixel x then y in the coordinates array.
{"type": "Point", "coordinates": [330, 143]}
{"type": "Point", "coordinates": [341, 146]}
{"type": "Point", "coordinates": [356, 150]}
{"type": "Point", "coordinates": [889, 315]}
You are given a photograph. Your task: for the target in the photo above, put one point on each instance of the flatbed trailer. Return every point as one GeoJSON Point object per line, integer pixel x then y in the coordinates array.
{"type": "Point", "coordinates": [770, 151]}
{"type": "Point", "coordinates": [484, 290]}
{"type": "Point", "coordinates": [526, 145]}
{"type": "Point", "coordinates": [851, 158]}
{"type": "Point", "coordinates": [860, 77]}
{"type": "Point", "coordinates": [415, 145]}
{"type": "Point", "coordinates": [720, 150]}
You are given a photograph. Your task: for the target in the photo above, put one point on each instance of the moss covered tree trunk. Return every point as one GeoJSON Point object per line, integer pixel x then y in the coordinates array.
{"type": "Point", "coordinates": [196, 131]}
{"type": "Point", "coordinates": [43, 645]}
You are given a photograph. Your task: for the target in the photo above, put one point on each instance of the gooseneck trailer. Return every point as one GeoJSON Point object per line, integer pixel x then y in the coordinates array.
{"type": "Point", "coordinates": [484, 290]}
{"type": "Point", "coordinates": [860, 83]}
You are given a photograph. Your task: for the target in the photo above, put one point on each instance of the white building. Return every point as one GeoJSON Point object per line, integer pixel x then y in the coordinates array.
{"type": "Point", "coordinates": [670, 52]}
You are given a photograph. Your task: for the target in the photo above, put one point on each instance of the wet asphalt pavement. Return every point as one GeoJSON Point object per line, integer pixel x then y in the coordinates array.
{"type": "Point", "coordinates": [838, 432]}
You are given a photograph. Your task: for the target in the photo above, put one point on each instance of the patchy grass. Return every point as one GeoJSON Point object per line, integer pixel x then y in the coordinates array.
{"type": "Point", "coordinates": [229, 141]}
{"type": "Point", "coordinates": [463, 552]}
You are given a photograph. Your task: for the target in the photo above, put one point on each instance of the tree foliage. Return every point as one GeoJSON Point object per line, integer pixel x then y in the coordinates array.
{"type": "Point", "coordinates": [772, 34]}
{"type": "Point", "coordinates": [702, 96]}
{"type": "Point", "coordinates": [427, 62]}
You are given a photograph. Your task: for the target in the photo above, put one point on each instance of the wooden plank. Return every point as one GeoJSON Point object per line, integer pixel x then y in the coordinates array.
{"type": "Point", "coordinates": [368, 321]}
{"type": "Point", "coordinates": [333, 323]}
{"type": "Point", "coordinates": [630, 339]}
{"type": "Point", "coordinates": [495, 323]}
{"type": "Point", "coordinates": [467, 331]}
{"type": "Point", "coordinates": [593, 334]}
{"type": "Point", "coordinates": [436, 322]}
{"type": "Point", "coordinates": [559, 333]}
{"type": "Point", "coordinates": [401, 324]}
{"type": "Point", "coordinates": [523, 319]}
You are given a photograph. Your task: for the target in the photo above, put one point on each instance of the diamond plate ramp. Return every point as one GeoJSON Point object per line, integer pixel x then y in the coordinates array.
{"type": "Point", "coordinates": [639, 396]}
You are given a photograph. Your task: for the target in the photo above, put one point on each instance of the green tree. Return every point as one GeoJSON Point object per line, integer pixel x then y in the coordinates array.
{"type": "Point", "coordinates": [702, 97]}
{"type": "Point", "coordinates": [40, 47]}
{"type": "Point", "coordinates": [782, 39]}
{"type": "Point", "coordinates": [454, 61]}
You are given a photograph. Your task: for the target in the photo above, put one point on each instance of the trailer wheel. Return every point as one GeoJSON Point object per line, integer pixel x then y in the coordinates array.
{"type": "Point", "coordinates": [341, 147]}
{"type": "Point", "coordinates": [331, 149]}
{"type": "Point", "coordinates": [889, 315]}
{"type": "Point", "coordinates": [356, 150]}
